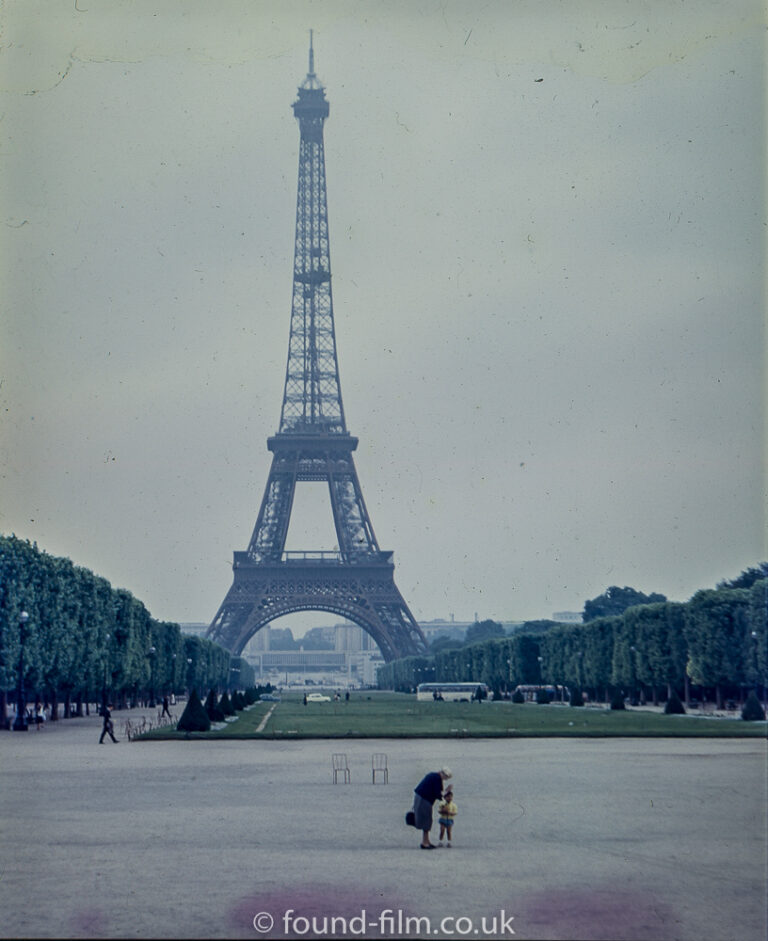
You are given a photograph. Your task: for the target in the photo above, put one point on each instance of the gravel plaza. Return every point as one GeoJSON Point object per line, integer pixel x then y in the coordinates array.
{"type": "Point", "coordinates": [554, 839]}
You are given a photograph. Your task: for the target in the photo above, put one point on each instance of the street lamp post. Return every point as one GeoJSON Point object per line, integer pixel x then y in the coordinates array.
{"type": "Point", "coordinates": [151, 655]}
{"type": "Point", "coordinates": [104, 689]}
{"type": "Point", "coordinates": [633, 699]}
{"type": "Point", "coordinates": [20, 722]}
{"type": "Point", "coordinates": [756, 662]}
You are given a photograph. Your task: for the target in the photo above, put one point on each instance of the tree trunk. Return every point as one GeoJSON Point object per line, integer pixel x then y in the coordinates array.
{"type": "Point", "coordinates": [719, 696]}
{"type": "Point", "coordinates": [3, 710]}
{"type": "Point", "coordinates": [67, 704]}
{"type": "Point", "coordinates": [54, 707]}
{"type": "Point", "coordinates": [687, 684]}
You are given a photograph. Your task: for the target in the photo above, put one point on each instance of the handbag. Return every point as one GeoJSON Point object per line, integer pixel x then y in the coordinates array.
{"type": "Point", "coordinates": [410, 818]}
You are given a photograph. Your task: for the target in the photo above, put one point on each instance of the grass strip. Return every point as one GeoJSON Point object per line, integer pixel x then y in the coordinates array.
{"type": "Point", "coordinates": [397, 715]}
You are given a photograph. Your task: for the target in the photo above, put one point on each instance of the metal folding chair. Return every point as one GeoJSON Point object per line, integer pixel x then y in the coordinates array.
{"type": "Point", "coordinates": [379, 766]}
{"type": "Point", "coordinates": [340, 766]}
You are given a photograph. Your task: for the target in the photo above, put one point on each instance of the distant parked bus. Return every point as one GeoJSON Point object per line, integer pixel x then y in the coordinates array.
{"type": "Point", "coordinates": [554, 693]}
{"type": "Point", "coordinates": [451, 692]}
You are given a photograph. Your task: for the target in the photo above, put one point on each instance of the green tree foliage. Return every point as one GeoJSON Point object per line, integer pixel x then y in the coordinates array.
{"type": "Point", "coordinates": [651, 648]}
{"type": "Point", "coordinates": [444, 643]}
{"type": "Point", "coordinates": [194, 718]}
{"type": "Point", "coordinates": [314, 640]}
{"type": "Point", "coordinates": [241, 673]}
{"type": "Point", "coordinates": [747, 578]}
{"type": "Point", "coordinates": [538, 627]}
{"type": "Point", "coordinates": [756, 639]}
{"type": "Point", "coordinates": [85, 640]}
{"type": "Point", "coordinates": [483, 630]}
{"type": "Point", "coordinates": [615, 600]}
{"type": "Point", "coordinates": [718, 638]}
{"type": "Point", "coordinates": [281, 638]}
{"type": "Point", "coordinates": [597, 660]}
{"type": "Point", "coordinates": [716, 627]}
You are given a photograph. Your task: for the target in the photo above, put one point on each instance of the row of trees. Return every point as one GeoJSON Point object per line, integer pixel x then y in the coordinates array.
{"type": "Point", "coordinates": [86, 641]}
{"type": "Point", "coordinates": [718, 641]}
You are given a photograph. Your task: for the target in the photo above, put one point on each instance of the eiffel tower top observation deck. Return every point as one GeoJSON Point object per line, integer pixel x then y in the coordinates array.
{"type": "Point", "coordinates": [312, 399]}
{"type": "Point", "coordinates": [356, 579]}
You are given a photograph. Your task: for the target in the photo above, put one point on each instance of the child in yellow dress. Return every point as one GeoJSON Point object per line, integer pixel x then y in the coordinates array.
{"type": "Point", "coordinates": [446, 815]}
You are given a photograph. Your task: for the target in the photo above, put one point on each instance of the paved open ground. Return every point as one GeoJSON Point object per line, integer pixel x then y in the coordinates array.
{"type": "Point", "coordinates": [592, 839]}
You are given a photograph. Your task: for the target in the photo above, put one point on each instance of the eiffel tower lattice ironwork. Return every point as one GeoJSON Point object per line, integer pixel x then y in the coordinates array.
{"type": "Point", "coordinates": [313, 444]}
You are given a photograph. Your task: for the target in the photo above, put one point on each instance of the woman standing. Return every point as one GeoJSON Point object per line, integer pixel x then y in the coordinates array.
{"type": "Point", "coordinates": [427, 791]}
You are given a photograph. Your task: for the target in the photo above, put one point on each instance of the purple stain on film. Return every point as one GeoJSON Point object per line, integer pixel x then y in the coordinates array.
{"type": "Point", "coordinates": [288, 912]}
{"type": "Point", "coordinates": [597, 914]}
{"type": "Point", "coordinates": [89, 923]}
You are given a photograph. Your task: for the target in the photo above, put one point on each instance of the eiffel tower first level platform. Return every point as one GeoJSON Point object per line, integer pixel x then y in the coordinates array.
{"type": "Point", "coordinates": [356, 580]}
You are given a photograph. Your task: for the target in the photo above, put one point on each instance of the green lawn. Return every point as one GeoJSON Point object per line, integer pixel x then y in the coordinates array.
{"type": "Point", "coordinates": [396, 715]}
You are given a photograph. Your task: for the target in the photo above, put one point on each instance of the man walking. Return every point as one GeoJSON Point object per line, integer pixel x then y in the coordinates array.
{"type": "Point", "coordinates": [108, 728]}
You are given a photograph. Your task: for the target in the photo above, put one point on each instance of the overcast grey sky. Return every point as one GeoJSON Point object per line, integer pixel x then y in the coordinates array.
{"type": "Point", "coordinates": [547, 232]}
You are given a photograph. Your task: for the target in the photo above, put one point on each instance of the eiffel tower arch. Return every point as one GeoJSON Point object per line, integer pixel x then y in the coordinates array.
{"type": "Point", "coordinates": [312, 444]}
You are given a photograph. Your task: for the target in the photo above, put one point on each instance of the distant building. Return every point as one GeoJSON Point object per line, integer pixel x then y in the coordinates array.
{"type": "Point", "coordinates": [453, 630]}
{"type": "Point", "coordinates": [570, 617]}
{"type": "Point", "coordinates": [194, 627]}
{"type": "Point", "coordinates": [351, 638]}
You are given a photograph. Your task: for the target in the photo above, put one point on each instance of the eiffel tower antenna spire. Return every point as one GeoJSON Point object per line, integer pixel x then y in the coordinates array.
{"type": "Point", "coordinates": [356, 581]}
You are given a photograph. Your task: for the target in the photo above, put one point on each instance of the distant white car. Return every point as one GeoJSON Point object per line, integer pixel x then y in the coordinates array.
{"type": "Point", "coordinates": [318, 697]}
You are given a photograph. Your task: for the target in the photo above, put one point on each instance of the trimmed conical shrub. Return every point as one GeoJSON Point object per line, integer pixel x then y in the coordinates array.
{"type": "Point", "coordinates": [576, 698]}
{"type": "Point", "coordinates": [752, 710]}
{"type": "Point", "coordinates": [226, 706]}
{"type": "Point", "coordinates": [674, 707]}
{"type": "Point", "coordinates": [194, 718]}
{"type": "Point", "coordinates": [517, 696]}
{"type": "Point", "coordinates": [212, 708]}
{"type": "Point", "coordinates": [542, 697]}
{"type": "Point", "coordinates": [238, 701]}
{"type": "Point", "coordinates": [617, 700]}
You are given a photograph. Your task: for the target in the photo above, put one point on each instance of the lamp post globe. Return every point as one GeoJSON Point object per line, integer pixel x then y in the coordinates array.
{"type": "Point", "coordinates": [20, 722]}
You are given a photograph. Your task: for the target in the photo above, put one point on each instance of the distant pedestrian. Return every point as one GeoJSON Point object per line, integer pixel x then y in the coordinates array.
{"type": "Point", "coordinates": [427, 791]}
{"type": "Point", "coordinates": [305, 699]}
{"type": "Point", "coordinates": [39, 715]}
{"type": "Point", "coordinates": [166, 711]}
{"type": "Point", "coordinates": [108, 727]}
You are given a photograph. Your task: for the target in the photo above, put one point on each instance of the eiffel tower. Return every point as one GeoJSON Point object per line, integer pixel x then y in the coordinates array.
{"type": "Point", "coordinates": [313, 444]}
